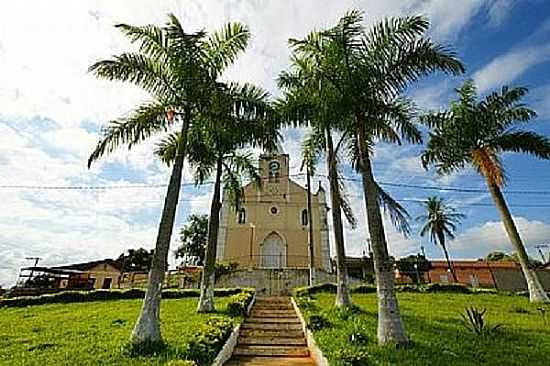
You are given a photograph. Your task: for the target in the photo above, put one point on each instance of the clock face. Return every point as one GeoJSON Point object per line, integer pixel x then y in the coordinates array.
{"type": "Point", "coordinates": [274, 166]}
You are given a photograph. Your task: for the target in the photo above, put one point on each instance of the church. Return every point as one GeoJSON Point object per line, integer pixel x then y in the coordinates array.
{"type": "Point", "coordinates": [270, 230]}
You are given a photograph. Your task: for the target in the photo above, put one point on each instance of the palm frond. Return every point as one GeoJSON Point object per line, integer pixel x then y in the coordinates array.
{"type": "Point", "coordinates": [312, 148]}
{"type": "Point", "coordinates": [225, 45]}
{"type": "Point", "coordinates": [146, 120]}
{"type": "Point", "coordinates": [236, 167]}
{"type": "Point", "coordinates": [440, 220]}
{"type": "Point", "coordinates": [151, 38]}
{"type": "Point", "coordinates": [523, 141]}
{"type": "Point", "coordinates": [167, 148]}
{"type": "Point", "coordinates": [397, 213]}
{"type": "Point", "coordinates": [139, 70]}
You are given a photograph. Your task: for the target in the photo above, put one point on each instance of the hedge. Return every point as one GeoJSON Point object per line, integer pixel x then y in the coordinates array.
{"type": "Point", "coordinates": [427, 288]}
{"type": "Point", "coordinates": [238, 303]}
{"type": "Point", "coordinates": [208, 340]}
{"type": "Point", "coordinates": [101, 295]}
{"type": "Point", "coordinates": [331, 288]}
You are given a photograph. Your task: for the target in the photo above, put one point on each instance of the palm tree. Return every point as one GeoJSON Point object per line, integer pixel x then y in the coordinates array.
{"type": "Point", "coordinates": [309, 101]}
{"type": "Point", "coordinates": [240, 117]}
{"type": "Point", "coordinates": [370, 70]}
{"type": "Point", "coordinates": [476, 132]}
{"type": "Point", "coordinates": [440, 221]}
{"type": "Point", "coordinates": [179, 70]}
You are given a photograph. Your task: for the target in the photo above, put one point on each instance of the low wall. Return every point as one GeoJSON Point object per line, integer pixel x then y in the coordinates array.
{"type": "Point", "coordinates": [274, 282]}
{"type": "Point", "coordinates": [514, 281]}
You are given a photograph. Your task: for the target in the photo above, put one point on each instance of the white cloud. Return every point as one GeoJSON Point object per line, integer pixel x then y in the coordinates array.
{"type": "Point", "coordinates": [490, 236]}
{"type": "Point", "coordinates": [49, 101]}
{"type": "Point", "coordinates": [448, 17]}
{"type": "Point", "coordinates": [499, 11]}
{"type": "Point", "coordinates": [541, 101]}
{"type": "Point", "coordinates": [505, 68]}
{"type": "Point", "coordinates": [508, 67]}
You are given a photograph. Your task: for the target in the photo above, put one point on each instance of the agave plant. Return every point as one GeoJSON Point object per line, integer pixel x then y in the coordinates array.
{"type": "Point", "coordinates": [474, 320]}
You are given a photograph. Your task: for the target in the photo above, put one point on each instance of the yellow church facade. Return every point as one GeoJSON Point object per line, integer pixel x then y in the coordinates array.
{"type": "Point", "coordinates": [270, 230]}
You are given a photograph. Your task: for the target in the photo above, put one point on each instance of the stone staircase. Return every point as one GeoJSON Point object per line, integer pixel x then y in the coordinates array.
{"type": "Point", "coordinates": [271, 335]}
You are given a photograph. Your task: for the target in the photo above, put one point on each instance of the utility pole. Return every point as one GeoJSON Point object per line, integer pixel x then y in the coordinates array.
{"type": "Point", "coordinates": [310, 227]}
{"type": "Point", "coordinates": [429, 264]}
{"type": "Point", "coordinates": [36, 260]}
{"type": "Point", "coordinates": [539, 248]}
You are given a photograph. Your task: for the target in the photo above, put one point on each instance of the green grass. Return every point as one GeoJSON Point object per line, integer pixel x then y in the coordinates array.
{"type": "Point", "coordinates": [438, 337]}
{"type": "Point", "coordinates": [93, 333]}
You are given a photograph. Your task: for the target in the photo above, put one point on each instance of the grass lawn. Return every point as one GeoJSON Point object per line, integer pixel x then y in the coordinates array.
{"type": "Point", "coordinates": [93, 333]}
{"type": "Point", "coordinates": [434, 326]}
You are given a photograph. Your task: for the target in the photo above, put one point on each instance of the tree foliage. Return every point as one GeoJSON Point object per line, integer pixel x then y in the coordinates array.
{"type": "Point", "coordinates": [440, 220]}
{"type": "Point", "coordinates": [136, 260]}
{"type": "Point", "coordinates": [193, 236]}
{"type": "Point", "coordinates": [414, 266]}
{"type": "Point", "coordinates": [477, 131]}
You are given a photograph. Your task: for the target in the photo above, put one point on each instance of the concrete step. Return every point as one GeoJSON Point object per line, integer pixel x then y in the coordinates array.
{"type": "Point", "coordinates": [271, 333]}
{"type": "Point", "coordinates": [273, 298]}
{"type": "Point", "coordinates": [272, 326]}
{"type": "Point", "coordinates": [273, 312]}
{"type": "Point", "coordinates": [273, 307]}
{"type": "Point", "coordinates": [270, 361]}
{"type": "Point", "coordinates": [273, 341]}
{"type": "Point", "coordinates": [287, 351]}
{"type": "Point", "coordinates": [270, 320]}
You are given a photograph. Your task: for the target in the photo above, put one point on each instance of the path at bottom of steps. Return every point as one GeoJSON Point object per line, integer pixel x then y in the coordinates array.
{"type": "Point", "coordinates": [271, 335]}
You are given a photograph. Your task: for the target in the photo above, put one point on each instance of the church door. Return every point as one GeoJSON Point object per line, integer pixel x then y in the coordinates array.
{"type": "Point", "coordinates": [273, 252]}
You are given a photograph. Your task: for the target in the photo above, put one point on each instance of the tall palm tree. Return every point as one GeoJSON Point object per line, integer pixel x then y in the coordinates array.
{"type": "Point", "coordinates": [179, 70]}
{"type": "Point", "coordinates": [440, 221]}
{"type": "Point", "coordinates": [370, 70]}
{"type": "Point", "coordinates": [309, 101]}
{"type": "Point", "coordinates": [240, 117]}
{"type": "Point", "coordinates": [477, 132]}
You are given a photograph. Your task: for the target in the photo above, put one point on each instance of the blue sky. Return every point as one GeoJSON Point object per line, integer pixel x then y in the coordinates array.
{"type": "Point", "coordinates": [52, 110]}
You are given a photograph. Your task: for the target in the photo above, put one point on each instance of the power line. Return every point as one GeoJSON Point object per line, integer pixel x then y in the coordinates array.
{"type": "Point", "coordinates": [389, 184]}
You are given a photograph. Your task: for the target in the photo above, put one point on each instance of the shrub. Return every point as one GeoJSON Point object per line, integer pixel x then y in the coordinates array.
{"type": "Point", "coordinates": [306, 303]}
{"type": "Point", "coordinates": [317, 322]}
{"type": "Point", "coordinates": [351, 357]}
{"type": "Point", "coordinates": [238, 304]}
{"type": "Point", "coordinates": [451, 287]}
{"type": "Point", "coordinates": [364, 289]}
{"type": "Point", "coordinates": [474, 320]}
{"type": "Point", "coordinates": [222, 268]}
{"type": "Point", "coordinates": [311, 290]}
{"type": "Point", "coordinates": [208, 340]}
{"type": "Point", "coordinates": [410, 288]}
{"type": "Point", "coordinates": [347, 312]}
{"type": "Point", "coordinates": [358, 336]}
{"type": "Point", "coordinates": [102, 295]}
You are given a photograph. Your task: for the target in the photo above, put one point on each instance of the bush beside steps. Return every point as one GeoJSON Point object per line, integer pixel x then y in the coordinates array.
{"type": "Point", "coordinates": [100, 295]}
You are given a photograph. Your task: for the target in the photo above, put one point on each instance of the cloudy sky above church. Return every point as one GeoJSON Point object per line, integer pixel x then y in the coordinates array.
{"type": "Point", "coordinates": [51, 112]}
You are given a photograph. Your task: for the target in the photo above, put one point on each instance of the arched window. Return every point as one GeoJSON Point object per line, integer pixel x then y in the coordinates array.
{"type": "Point", "coordinates": [304, 217]}
{"type": "Point", "coordinates": [242, 216]}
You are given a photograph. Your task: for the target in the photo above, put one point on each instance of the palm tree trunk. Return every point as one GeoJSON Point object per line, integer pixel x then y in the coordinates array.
{"type": "Point", "coordinates": [343, 298]}
{"type": "Point", "coordinates": [310, 229]}
{"type": "Point", "coordinates": [536, 291]}
{"type": "Point", "coordinates": [441, 238]}
{"type": "Point", "coordinates": [390, 324]}
{"type": "Point", "coordinates": [147, 328]}
{"type": "Point", "coordinates": [206, 300]}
